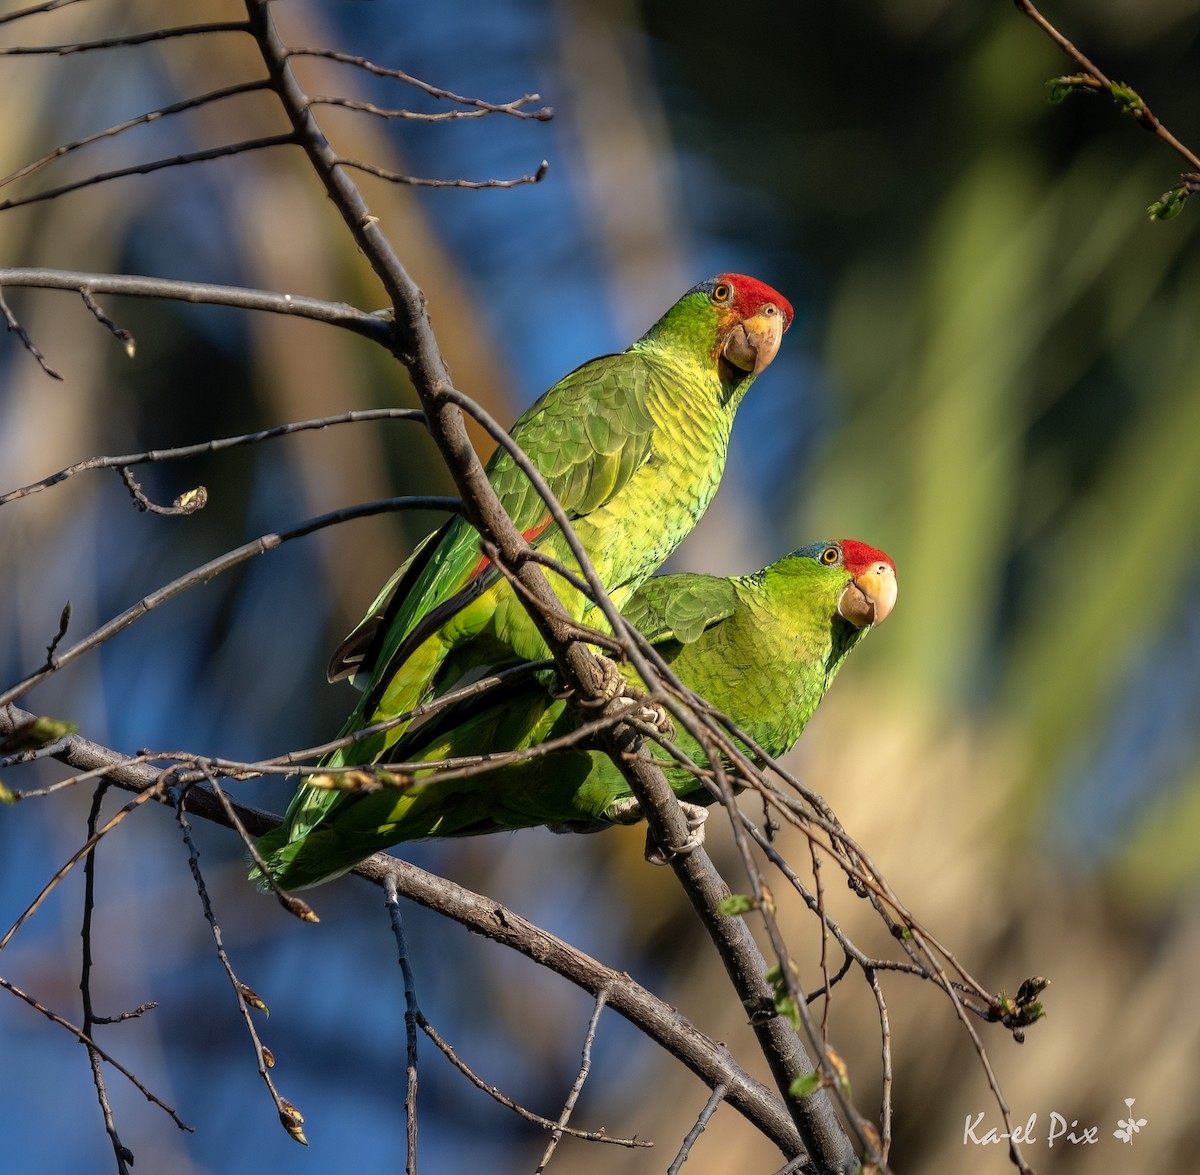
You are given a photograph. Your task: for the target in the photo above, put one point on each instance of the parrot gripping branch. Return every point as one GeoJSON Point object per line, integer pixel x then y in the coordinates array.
{"type": "Point", "coordinates": [808, 1123]}
{"type": "Point", "coordinates": [415, 345]}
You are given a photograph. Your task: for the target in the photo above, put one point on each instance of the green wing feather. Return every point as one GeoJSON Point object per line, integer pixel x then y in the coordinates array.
{"type": "Point", "coordinates": [587, 436]}
{"type": "Point", "coordinates": [762, 648]}
{"type": "Point", "coordinates": [680, 607]}
{"type": "Point", "coordinates": [632, 446]}
{"type": "Point", "coordinates": [356, 654]}
{"type": "Point", "coordinates": [584, 466]}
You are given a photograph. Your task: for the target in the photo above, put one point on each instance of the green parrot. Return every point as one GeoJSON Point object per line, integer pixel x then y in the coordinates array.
{"type": "Point", "coordinates": [632, 445]}
{"type": "Point", "coordinates": [762, 648]}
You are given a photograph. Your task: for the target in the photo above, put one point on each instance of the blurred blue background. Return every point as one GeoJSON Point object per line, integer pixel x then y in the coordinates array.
{"type": "Point", "coordinates": [992, 375]}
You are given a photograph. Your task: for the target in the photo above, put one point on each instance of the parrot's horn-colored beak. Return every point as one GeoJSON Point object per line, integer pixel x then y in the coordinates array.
{"type": "Point", "coordinates": [753, 343]}
{"type": "Point", "coordinates": [871, 597]}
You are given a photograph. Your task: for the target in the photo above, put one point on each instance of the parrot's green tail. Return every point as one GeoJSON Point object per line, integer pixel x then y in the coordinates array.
{"type": "Point", "coordinates": [300, 864]}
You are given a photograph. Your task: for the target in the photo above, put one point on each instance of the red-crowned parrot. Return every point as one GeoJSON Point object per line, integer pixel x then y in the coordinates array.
{"type": "Point", "coordinates": [632, 445]}
{"type": "Point", "coordinates": [762, 648]}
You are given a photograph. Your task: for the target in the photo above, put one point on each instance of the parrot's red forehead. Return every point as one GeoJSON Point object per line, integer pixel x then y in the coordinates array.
{"type": "Point", "coordinates": [749, 294]}
{"type": "Point", "coordinates": [857, 556]}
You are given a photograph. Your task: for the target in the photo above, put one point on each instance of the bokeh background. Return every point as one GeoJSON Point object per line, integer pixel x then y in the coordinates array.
{"type": "Point", "coordinates": [993, 375]}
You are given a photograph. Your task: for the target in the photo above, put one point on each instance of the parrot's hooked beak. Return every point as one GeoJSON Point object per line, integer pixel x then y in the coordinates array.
{"type": "Point", "coordinates": [754, 342]}
{"type": "Point", "coordinates": [871, 596]}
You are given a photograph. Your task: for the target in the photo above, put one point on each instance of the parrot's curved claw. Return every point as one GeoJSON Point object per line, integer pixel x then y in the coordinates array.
{"type": "Point", "coordinates": [609, 686]}
{"type": "Point", "coordinates": [628, 811]}
{"type": "Point", "coordinates": [696, 814]}
{"type": "Point", "coordinates": [624, 811]}
{"type": "Point", "coordinates": [651, 713]}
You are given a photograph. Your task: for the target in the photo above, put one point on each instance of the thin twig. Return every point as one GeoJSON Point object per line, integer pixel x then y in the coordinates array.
{"type": "Point", "coordinates": [205, 572]}
{"type": "Point", "coordinates": [123, 1154]}
{"type": "Point", "coordinates": [376, 326]}
{"type": "Point", "coordinates": [710, 1108]}
{"type": "Point", "coordinates": [182, 452]}
{"type": "Point", "coordinates": [411, 1014]}
{"type": "Point", "coordinates": [819, 890]}
{"type": "Point", "coordinates": [141, 120]}
{"type": "Point", "coordinates": [416, 115]}
{"type": "Point", "coordinates": [64, 619]}
{"type": "Point", "coordinates": [37, 10]}
{"type": "Point", "coordinates": [124, 337]}
{"type": "Point", "coordinates": [107, 1058]}
{"type": "Point", "coordinates": [14, 327]}
{"type": "Point", "coordinates": [1094, 80]}
{"type": "Point", "coordinates": [187, 503]}
{"type": "Point", "coordinates": [265, 142]}
{"type": "Point", "coordinates": [151, 793]}
{"type": "Point", "coordinates": [585, 1067]}
{"type": "Point", "coordinates": [289, 1116]}
{"type": "Point", "coordinates": [125, 42]}
{"type": "Point", "coordinates": [885, 1050]}
{"type": "Point", "coordinates": [397, 177]}
{"type": "Point", "coordinates": [514, 108]}
{"type": "Point", "coordinates": [521, 1111]}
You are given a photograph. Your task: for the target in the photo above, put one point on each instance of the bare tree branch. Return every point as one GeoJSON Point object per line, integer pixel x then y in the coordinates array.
{"type": "Point", "coordinates": [585, 1067]}
{"type": "Point", "coordinates": [246, 997]}
{"type": "Point", "coordinates": [205, 572]}
{"type": "Point", "coordinates": [106, 1057]}
{"type": "Point", "coordinates": [36, 10]}
{"type": "Point", "coordinates": [521, 1111]}
{"type": "Point", "coordinates": [708, 1060]}
{"type": "Point", "coordinates": [221, 152]}
{"type": "Point", "coordinates": [478, 105]}
{"type": "Point", "coordinates": [374, 326]}
{"type": "Point", "coordinates": [411, 1015]}
{"type": "Point", "coordinates": [121, 1152]}
{"type": "Point", "coordinates": [397, 177]}
{"type": "Point", "coordinates": [420, 115]}
{"type": "Point", "coordinates": [710, 1108]}
{"type": "Point", "coordinates": [141, 120]}
{"type": "Point", "coordinates": [204, 448]}
{"type": "Point", "coordinates": [124, 42]}
{"type": "Point", "coordinates": [14, 327]}
{"type": "Point", "coordinates": [1094, 79]}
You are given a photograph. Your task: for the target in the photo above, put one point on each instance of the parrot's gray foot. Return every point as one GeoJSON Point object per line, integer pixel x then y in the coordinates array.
{"type": "Point", "coordinates": [624, 811]}
{"type": "Point", "coordinates": [612, 683]}
{"type": "Point", "coordinates": [629, 811]}
{"type": "Point", "coordinates": [651, 713]}
{"type": "Point", "coordinates": [696, 815]}
{"type": "Point", "coordinates": [609, 684]}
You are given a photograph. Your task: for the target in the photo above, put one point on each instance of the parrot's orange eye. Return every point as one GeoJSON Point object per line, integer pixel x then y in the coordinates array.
{"type": "Point", "coordinates": [830, 556]}
{"type": "Point", "coordinates": [721, 292]}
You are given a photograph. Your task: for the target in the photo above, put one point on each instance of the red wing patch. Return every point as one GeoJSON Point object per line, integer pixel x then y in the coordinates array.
{"type": "Point", "coordinates": [528, 535]}
{"type": "Point", "coordinates": [533, 532]}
